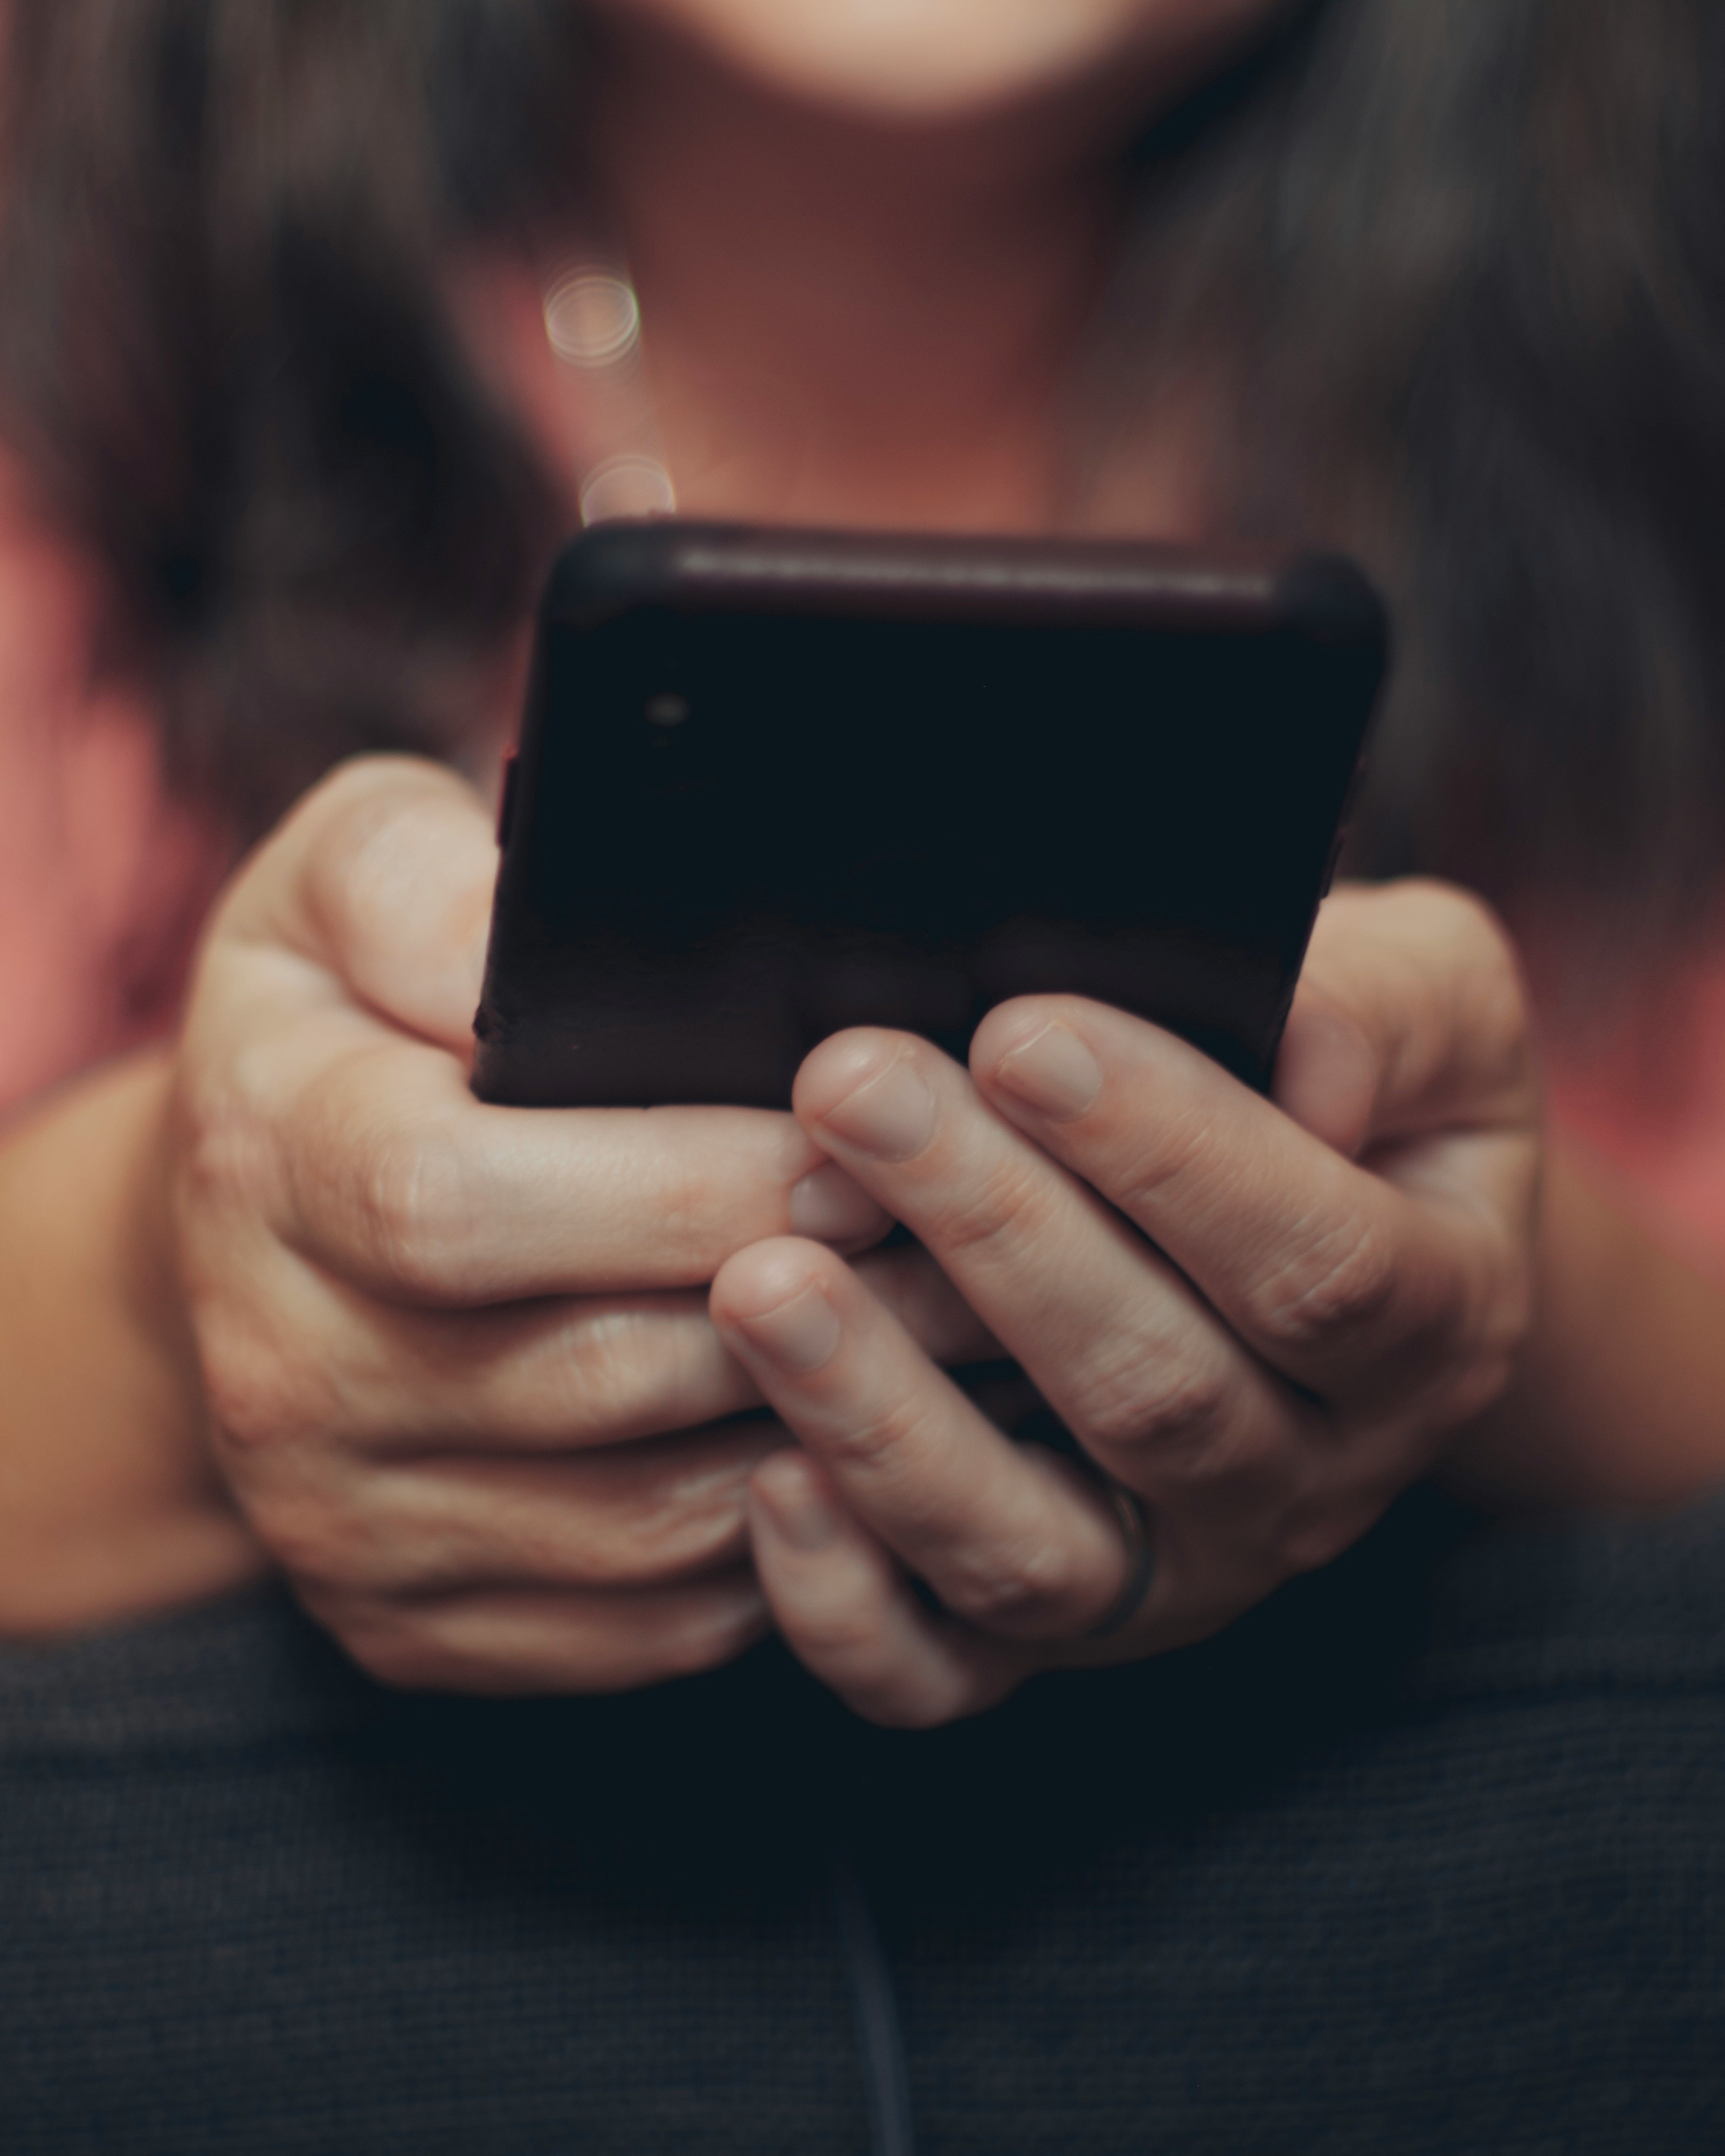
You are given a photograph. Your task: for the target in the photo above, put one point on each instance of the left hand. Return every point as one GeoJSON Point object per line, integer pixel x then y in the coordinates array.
{"type": "Point", "coordinates": [1261, 1319]}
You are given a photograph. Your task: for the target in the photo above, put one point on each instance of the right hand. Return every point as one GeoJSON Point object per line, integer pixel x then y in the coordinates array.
{"type": "Point", "coordinates": [462, 1380]}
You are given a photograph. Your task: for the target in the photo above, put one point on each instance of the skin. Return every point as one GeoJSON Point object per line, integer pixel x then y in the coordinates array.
{"type": "Point", "coordinates": [461, 1375]}
{"type": "Point", "coordinates": [1281, 1347]}
{"type": "Point", "coordinates": [462, 1385]}
{"type": "Point", "coordinates": [898, 60]}
{"type": "Point", "coordinates": [575, 1401]}
{"type": "Point", "coordinates": [891, 341]}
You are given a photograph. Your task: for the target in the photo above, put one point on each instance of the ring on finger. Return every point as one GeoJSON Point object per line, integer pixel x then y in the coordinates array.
{"type": "Point", "coordinates": [1141, 1564]}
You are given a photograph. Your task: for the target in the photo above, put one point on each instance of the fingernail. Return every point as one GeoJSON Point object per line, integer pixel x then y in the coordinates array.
{"type": "Point", "coordinates": [800, 1335]}
{"type": "Point", "coordinates": [804, 1518]}
{"type": "Point", "coordinates": [826, 1207]}
{"type": "Point", "coordinates": [1054, 1073]}
{"type": "Point", "coordinates": [891, 1117]}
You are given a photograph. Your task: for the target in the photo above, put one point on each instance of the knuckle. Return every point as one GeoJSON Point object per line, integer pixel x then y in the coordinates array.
{"type": "Point", "coordinates": [1180, 1149]}
{"type": "Point", "coordinates": [686, 1203]}
{"type": "Point", "coordinates": [1345, 1283]}
{"type": "Point", "coordinates": [414, 1212]}
{"type": "Point", "coordinates": [257, 1398]}
{"type": "Point", "coordinates": [1231, 1463]}
{"type": "Point", "coordinates": [1008, 1197]}
{"type": "Point", "coordinates": [1026, 1592]}
{"type": "Point", "coordinates": [598, 1385]}
{"type": "Point", "coordinates": [606, 1553]}
{"type": "Point", "coordinates": [224, 1151]}
{"type": "Point", "coordinates": [321, 1545]}
{"type": "Point", "coordinates": [538, 1374]}
{"type": "Point", "coordinates": [876, 1440]}
{"type": "Point", "coordinates": [1141, 1398]}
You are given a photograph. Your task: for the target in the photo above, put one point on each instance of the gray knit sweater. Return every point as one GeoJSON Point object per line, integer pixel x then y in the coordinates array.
{"type": "Point", "coordinates": [1428, 1855]}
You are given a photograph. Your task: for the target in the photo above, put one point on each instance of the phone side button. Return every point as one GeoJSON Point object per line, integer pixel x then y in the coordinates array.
{"type": "Point", "coordinates": [506, 799]}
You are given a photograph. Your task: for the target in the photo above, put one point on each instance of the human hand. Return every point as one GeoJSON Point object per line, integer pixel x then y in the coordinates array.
{"type": "Point", "coordinates": [462, 1380]}
{"type": "Point", "coordinates": [1259, 1320]}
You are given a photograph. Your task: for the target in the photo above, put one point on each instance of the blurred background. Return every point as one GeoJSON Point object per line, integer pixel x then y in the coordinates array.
{"type": "Point", "coordinates": [320, 327]}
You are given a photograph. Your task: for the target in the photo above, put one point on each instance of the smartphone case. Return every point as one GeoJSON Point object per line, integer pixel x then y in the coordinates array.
{"type": "Point", "coordinates": [772, 783]}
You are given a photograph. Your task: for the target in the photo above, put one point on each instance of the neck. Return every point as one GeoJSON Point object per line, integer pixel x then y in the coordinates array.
{"type": "Point", "coordinates": [856, 321]}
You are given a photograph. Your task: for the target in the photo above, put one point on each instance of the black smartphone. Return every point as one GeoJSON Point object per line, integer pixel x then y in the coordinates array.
{"type": "Point", "coordinates": [774, 783]}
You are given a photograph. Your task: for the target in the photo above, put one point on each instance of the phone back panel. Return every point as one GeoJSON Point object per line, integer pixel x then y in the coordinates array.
{"type": "Point", "coordinates": [771, 784]}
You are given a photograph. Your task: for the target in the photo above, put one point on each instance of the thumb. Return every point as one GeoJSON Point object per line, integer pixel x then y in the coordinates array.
{"type": "Point", "coordinates": [1410, 1018]}
{"type": "Point", "coordinates": [383, 877]}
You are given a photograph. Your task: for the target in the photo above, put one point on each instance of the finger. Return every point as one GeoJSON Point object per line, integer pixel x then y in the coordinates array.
{"type": "Point", "coordinates": [848, 1613]}
{"type": "Point", "coordinates": [365, 1146]}
{"type": "Point", "coordinates": [636, 1516]}
{"type": "Point", "coordinates": [366, 1152]}
{"type": "Point", "coordinates": [1411, 1017]}
{"type": "Point", "coordinates": [1327, 1074]}
{"type": "Point", "coordinates": [920, 1294]}
{"type": "Point", "coordinates": [1012, 1539]}
{"type": "Point", "coordinates": [383, 877]}
{"type": "Point", "coordinates": [1337, 1276]}
{"type": "Point", "coordinates": [522, 1641]}
{"type": "Point", "coordinates": [1130, 1356]}
{"type": "Point", "coordinates": [554, 1375]}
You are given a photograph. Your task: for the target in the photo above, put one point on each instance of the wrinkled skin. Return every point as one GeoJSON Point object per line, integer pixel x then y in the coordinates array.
{"type": "Point", "coordinates": [542, 1401]}
{"type": "Point", "coordinates": [473, 1395]}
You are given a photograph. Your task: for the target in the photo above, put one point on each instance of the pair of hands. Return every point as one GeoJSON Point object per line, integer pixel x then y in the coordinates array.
{"type": "Point", "coordinates": [577, 1400]}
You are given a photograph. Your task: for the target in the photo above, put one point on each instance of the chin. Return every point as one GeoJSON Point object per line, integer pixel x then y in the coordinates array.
{"type": "Point", "coordinates": [932, 62]}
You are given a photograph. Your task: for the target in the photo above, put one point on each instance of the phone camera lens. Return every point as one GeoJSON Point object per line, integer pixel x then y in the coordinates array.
{"type": "Point", "coordinates": [667, 710]}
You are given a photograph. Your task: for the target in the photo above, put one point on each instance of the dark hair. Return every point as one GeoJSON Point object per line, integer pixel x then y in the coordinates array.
{"type": "Point", "coordinates": [1471, 261]}
{"type": "Point", "coordinates": [225, 352]}
{"type": "Point", "coordinates": [1465, 262]}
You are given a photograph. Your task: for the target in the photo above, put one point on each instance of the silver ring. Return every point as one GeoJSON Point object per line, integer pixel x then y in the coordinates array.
{"type": "Point", "coordinates": [1141, 1556]}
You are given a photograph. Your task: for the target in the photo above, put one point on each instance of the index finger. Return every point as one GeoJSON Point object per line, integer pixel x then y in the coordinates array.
{"type": "Point", "coordinates": [1347, 1280]}
{"type": "Point", "coordinates": [324, 1085]}
{"type": "Point", "coordinates": [1010, 1538]}
{"type": "Point", "coordinates": [381, 1168]}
